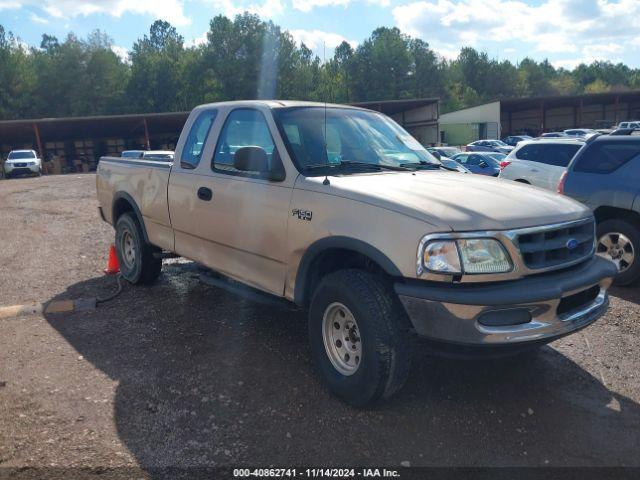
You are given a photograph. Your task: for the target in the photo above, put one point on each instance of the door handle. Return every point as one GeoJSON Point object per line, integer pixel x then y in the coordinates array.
{"type": "Point", "coordinates": [534, 170]}
{"type": "Point", "coordinates": [205, 194]}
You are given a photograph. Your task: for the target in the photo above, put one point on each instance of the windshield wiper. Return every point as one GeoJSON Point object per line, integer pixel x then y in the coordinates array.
{"type": "Point", "coordinates": [425, 164]}
{"type": "Point", "coordinates": [350, 163]}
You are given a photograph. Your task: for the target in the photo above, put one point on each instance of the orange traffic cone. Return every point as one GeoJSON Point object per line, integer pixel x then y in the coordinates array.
{"type": "Point", "coordinates": [112, 263]}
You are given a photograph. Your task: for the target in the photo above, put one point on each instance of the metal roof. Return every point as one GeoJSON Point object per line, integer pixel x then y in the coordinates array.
{"type": "Point", "coordinates": [512, 104]}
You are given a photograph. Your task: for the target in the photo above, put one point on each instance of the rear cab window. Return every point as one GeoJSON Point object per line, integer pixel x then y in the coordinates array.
{"type": "Point", "coordinates": [197, 139]}
{"type": "Point", "coordinates": [606, 157]}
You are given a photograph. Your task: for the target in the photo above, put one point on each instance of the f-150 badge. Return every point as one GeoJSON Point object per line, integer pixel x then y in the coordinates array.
{"type": "Point", "coordinates": [302, 214]}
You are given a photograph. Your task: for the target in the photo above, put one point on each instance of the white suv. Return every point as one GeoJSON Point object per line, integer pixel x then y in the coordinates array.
{"type": "Point", "coordinates": [540, 162]}
{"type": "Point", "coordinates": [634, 124]}
{"type": "Point", "coordinates": [22, 161]}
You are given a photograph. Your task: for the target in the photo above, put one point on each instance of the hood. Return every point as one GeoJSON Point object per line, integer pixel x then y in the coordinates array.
{"type": "Point", "coordinates": [451, 201]}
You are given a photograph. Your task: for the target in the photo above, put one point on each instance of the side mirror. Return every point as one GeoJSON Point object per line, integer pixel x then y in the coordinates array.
{"type": "Point", "coordinates": [255, 159]}
{"type": "Point", "coordinates": [436, 154]}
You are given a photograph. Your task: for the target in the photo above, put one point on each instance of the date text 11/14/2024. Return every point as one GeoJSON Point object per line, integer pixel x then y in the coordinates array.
{"type": "Point", "coordinates": [316, 473]}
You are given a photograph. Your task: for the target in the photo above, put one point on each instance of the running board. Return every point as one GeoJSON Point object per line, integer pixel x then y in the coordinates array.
{"type": "Point", "coordinates": [249, 293]}
{"type": "Point", "coordinates": [165, 255]}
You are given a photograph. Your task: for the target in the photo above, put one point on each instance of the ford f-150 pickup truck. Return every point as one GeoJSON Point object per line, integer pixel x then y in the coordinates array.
{"type": "Point", "coordinates": [340, 211]}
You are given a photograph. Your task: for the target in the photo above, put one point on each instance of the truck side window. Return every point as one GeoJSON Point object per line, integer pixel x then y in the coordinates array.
{"type": "Point", "coordinates": [243, 128]}
{"type": "Point", "coordinates": [197, 139]}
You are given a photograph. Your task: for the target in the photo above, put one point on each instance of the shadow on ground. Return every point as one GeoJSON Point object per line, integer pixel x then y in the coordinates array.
{"type": "Point", "coordinates": [206, 378]}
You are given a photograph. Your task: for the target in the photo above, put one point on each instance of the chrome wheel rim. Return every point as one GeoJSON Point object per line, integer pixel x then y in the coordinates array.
{"type": "Point", "coordinates": [618, 248]}
{"type": "Point", "coordinates": [128, 249]}
{"type": "Point", "coordinates": [341, 338]}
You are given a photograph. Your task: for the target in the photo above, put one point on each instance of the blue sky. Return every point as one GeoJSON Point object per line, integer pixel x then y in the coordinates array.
{"type": "Point", "coordinates": [566, 32]}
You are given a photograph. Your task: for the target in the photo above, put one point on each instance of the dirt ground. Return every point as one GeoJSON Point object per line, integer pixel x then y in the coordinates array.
{"type": "Point", "coordinates": [182, 374]}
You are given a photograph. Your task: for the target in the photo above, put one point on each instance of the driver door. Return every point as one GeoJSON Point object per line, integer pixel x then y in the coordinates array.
{"type": "Point", "coordinates": [243, 224]}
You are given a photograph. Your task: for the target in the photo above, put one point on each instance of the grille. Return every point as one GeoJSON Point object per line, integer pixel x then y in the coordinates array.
{"type": "Point", "coordinates": [21, 164]}
{"type": "Point", "coordinates": [555, 247]}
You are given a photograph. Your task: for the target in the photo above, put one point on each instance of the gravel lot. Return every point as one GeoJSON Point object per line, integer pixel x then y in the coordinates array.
{"type": "Point", "coordinates": [183, 374]}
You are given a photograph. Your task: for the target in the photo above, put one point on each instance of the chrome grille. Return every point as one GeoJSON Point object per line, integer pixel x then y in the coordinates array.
{"type": "Point", "coordinates": [549, 247]}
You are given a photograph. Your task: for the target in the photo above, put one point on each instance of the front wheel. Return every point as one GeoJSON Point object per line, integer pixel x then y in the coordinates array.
{"type": "Point", "coordinates": [619, 241]}
{"type": "Point", "coordinates": [359, 336]}
{"type": "Point", "coordinates": [137, 259]}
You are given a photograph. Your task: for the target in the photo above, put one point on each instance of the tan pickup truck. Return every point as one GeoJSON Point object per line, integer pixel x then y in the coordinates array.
{"type": "Point", "coordinates": [340, 211]}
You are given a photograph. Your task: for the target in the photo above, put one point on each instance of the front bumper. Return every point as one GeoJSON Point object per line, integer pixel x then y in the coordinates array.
{"type": "Point", "coordinates": [15, 169]}
{"type": "Point", "coordinates": [539, 308]}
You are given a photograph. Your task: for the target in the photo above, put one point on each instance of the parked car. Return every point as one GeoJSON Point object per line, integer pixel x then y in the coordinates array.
{"type": "Point", "coordinates": [446, 161]}
{"type": "Point", "coordinates": [489, 146]}
{"type": "Point", "coordinates": [540, 162]}
{"type": "Point", "coordinates": [448, 152]}
{"type": "Point", "coordinates": [20, 162]}
{"type": "Point", "coordinates": [633, 125]}
{"type": "Point", "coordinates": [132, 153]}
{"type": "Point", "coordinates": [452, 164]}
{"type": "Point", "coordinates": [580, 132]}
{"type": "Point", "coordinates": [553, 135]}
{"type": "Point", "coordinates": [513, 140]}
{"type": "Point", "coordinates": [362, 228]}
{"type": "Point", "coordinates": [482, 163]}
{"type": "Point", "coordinates": [605, 175]}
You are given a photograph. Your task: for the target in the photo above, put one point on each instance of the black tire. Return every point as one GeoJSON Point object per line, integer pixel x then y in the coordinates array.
{"type": "Point", "coordinates": [631, 230]}
{"type": "Point", "coordinates": [383, 328]}
{"type": "Point", "coordinates": [144, 267]}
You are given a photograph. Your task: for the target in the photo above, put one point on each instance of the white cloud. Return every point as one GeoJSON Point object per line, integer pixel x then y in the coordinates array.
{"type": "Point", "coordinates": [316, 39]}
{"type": "Point", "coordinates": [10, 4]}
{"type": "Point", "coordinates": [264, 8]}
{"type": "Point", "coordinates": [308, 5]}
{"type": "Point", "coordinates": [38, 19]}
{"type": "Point", "coordinates": [169, 10]}
{"type": "Point", "coordinates": [592, 28]}
{"type": "Point", "coordinates": [121, 52]}
{"type": "Point", "coordinates": [201, 40]}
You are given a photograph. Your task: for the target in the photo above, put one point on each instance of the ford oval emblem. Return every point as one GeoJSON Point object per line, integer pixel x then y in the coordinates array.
{"type": "Point", "coordinates": [572, 243]}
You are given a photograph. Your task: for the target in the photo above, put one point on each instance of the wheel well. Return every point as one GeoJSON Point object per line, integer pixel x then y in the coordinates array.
{"type": "Point", "coordinates": [120, 207]}
{"type": "Point", "coordinates": [608, 213]}
{"type": "Point", "coordinates": [332, 260]}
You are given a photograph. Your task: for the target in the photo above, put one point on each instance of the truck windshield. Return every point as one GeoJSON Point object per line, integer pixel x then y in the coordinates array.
{"type": "Point", "coordinates": [20, 155]}
{"type": "Point", "coordinates": [350, 139]}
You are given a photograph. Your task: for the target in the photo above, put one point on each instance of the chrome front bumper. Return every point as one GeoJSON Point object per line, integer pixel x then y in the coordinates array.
{"type": "Point", "coordinates": [535, 309]}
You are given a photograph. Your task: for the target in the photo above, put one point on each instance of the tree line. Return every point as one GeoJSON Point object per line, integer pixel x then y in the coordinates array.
{"type": "Point", "coordinates": [247, 58]}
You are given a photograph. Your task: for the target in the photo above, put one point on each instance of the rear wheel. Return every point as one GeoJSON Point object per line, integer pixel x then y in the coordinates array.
{"type": "Point", "coordinates": [359, 337]}
{"type": "Point", "coordinates": [619, 241]}
{"type": "Point", "coordinates": [138, 264]}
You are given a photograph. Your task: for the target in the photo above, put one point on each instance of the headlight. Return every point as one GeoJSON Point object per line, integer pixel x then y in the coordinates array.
{"type": "Point", "coordinates": [463, 256]}
{"type": "Point", "coordinates": [483, 255]}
